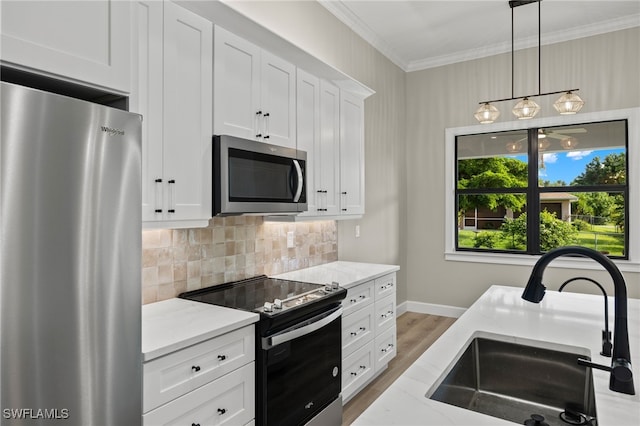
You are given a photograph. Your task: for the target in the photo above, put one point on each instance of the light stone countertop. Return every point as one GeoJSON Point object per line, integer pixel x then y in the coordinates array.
{"type": "Point", "coordinates": [174, 324]}
{"type": "Point", "coordinates": [347, 274]}
{"type": "Point", "coordinates": [567, 319]}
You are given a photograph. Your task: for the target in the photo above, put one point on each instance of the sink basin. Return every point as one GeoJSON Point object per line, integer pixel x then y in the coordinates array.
{"type": "Point", "coordinates": [514, 381]}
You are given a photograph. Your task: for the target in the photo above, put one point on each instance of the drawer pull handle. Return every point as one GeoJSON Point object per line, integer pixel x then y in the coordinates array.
{"type": "Point", "coordinates": [353, 300]}
{"type": "Point", "coordinates": [354, 374]}
{"type": "Point", "coordinates": [353, 333]}
{"type": "Point", "coordinates": [362, 329]}
{"type": "Point", "coordinates": [221, 411]}
{"type": "Point", "coordinates": [222, 357]}
{"type": "Point", "coordinates": [364, 367]}
{"type": "Point", "coordinates": [195, 368]}
{"type": "Point", "coordinates": [362, 296]}
{"type": "Point", "coordinates": [195, 424]}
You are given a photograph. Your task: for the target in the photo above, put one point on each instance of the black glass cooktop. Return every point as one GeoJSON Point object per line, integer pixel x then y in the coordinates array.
{"type": "Point", "coordinates": [252, 294]}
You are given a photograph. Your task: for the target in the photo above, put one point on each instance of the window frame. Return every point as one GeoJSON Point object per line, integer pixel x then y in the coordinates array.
{"type": "Point", "coordinates": [632, 263]}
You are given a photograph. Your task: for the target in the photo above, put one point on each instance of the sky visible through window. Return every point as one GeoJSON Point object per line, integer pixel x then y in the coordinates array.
{"type": "Point", "coordinates": [566, 166]}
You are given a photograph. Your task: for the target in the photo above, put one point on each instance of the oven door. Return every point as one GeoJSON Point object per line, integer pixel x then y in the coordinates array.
{"type": "Point", "coordinates": [255, 177]}
{"type": "Point", "coordinates": [302, 370]}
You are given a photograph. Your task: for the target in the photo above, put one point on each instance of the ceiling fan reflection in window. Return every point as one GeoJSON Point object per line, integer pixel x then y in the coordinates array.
{"type": "Point", "coordinates": [567, 141]}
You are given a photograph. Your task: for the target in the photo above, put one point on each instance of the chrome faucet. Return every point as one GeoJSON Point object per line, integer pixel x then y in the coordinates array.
{"type": "Point", "coordinates": [621, 378]}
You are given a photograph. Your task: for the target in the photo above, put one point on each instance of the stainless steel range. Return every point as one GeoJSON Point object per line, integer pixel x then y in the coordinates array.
{"type": "Point", "coordinates": [298, 346]}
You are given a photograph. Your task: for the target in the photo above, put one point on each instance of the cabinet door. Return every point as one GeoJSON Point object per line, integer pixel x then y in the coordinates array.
{"type": "Point", "coordinates": [308, 131]}
{"type": "Point", "coordinates": [328, 174]}
{"type": "Point", "coordinates": [188, 62]}
{"type": "Point", "coordinates": [236, 86]}
{"type": "Point", "coordinates": [351, 154]}
{"type": "Point", "coordinates": [278, 100]}
{"type": "Point", "coordinates": [147, 99]}
{"type": "Point", "coordinates": [85, 41]}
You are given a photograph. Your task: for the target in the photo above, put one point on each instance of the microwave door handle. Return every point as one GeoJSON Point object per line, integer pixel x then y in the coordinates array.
{"type": "Point", "coordinates": [296, 197]}
{"type": "Point", "coordinates": [294, 333]}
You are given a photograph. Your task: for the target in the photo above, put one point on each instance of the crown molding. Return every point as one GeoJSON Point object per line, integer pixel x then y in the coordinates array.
{"type": "Point", "coordinates": [342, 12]}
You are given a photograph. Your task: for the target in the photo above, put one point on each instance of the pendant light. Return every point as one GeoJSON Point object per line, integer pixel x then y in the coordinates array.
{"type": "Point", "coordinates": [526, 108]}
{"type": "Point", "coordinates": [569, 142]}
{"type": "Point", "coordinates": [487, 113]}
{"type": "Point", "coordinates": [514, 146]}
{"type": "Point", "coordinates": [569, 103]}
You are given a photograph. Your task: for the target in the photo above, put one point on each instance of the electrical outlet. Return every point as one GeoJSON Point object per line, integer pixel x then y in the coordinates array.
{"type": "Point", "coordinates": [357, 231]}
{"type": "Point", "coordinates": [290, 241]}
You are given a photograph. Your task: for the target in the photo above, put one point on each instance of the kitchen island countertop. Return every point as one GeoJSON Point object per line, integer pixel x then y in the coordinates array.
{"type": "Point", "coordinates": [568, 319]}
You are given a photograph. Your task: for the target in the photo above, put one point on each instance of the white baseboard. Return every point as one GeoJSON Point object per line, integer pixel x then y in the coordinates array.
{"type": "Point", "coordinates": [429, 308]}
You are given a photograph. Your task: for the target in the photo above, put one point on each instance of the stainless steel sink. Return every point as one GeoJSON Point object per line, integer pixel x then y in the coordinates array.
{"type": "Point", "coordinates": [514, 381]}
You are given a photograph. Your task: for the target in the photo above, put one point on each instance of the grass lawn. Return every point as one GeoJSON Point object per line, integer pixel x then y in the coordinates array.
{"type": "Point", "coordinates": [601, 238]}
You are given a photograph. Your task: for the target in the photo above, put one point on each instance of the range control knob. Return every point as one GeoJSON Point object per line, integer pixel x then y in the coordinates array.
{"type": "Point", "coordinates": [277, 304]}
{"type": "Point", "coordinates": [268, 307]}
{"type": "Point", "coordinates": [335, 285]}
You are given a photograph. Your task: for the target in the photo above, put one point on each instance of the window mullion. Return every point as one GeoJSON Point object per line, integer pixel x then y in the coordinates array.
{"type": "Point", "coordinates": [533, 194]}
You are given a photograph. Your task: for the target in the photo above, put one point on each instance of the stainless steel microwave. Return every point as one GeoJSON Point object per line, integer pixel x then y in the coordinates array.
{"type": "Point", "coordinates": [257, 178]}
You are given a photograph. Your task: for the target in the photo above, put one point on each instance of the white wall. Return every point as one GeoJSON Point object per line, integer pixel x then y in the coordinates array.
{"type": "Point", "coordinates": [605, 68]}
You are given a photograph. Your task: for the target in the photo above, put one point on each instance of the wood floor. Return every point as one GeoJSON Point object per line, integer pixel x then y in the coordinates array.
{"type": "Point", "coordinates": [416, 332]}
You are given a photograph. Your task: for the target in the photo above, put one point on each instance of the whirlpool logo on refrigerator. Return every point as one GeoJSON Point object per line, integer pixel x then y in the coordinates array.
{"type": "Point", "coordinates": [112, 131]}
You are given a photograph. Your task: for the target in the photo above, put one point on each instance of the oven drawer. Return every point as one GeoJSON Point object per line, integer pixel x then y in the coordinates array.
{"type": "Point", "coordinates": [385, 313]}
{"type": "Point", "coordinates": [177, 373]}
{"type": "Point", "coordinates": [385, 348]}
{"type": "Point", "coordinates": [357, 369]}
{"type": "Point", "coordinates": [357, 329]}
{"type": "Point", "coordinates": [229, 400]}
{"type": "Point", "coordinates": [357, 297]}
{"type": "Point", "coordinates": [385, 286]}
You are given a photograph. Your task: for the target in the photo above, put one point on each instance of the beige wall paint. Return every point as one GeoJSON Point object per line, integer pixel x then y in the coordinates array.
{"type": "Point", "coordinates": [312, 28]}
{"type": "Point", "coordinates": [405, 123]}
{"type": "Point", "coordinates": [604, 67]}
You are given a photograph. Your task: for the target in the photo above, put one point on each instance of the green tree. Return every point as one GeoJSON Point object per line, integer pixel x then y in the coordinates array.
{"type": "Point", "coordinates": [612, 170]}
{"type": "Point", "coordinates": [598, 204]}
{"type": "Point", "coordinates": [493, 172]}
{"type": "Point", "coordinates": [553, 232]}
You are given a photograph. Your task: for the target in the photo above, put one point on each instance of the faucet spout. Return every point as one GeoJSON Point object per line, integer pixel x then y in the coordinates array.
{"type": "Point", "coordinates": [621, 379]}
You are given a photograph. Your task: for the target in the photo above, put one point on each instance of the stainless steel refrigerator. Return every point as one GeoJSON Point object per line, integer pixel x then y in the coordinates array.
{"type": "Point", "coordinates": [70, 247]}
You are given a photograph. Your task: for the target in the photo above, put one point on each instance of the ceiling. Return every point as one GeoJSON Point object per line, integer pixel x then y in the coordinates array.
{"type": "Point", "coordinates": [423, 34]}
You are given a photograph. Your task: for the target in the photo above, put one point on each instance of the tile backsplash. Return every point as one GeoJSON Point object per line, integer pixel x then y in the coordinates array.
{"type": "Point", "coordinates": [229, 249]}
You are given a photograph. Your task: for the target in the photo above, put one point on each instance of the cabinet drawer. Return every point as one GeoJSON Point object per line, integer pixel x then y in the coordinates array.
{"type": "Point", "coordinates": [385, 348]}
{"type": "Point", "coordinates": [357, 329]}
{"type": "Point", "coordinates": [385, 313]}
{"type": "Point", "coordinates": [173, 375]}
{"type": "Point", "coordinates": [229, 400]}
{"type": "Point", "coordinates": [357, 369]}
{"type": "Point", "coordinates": [357, 297]}
{"type": "Point", "coordinates": [385, 286]}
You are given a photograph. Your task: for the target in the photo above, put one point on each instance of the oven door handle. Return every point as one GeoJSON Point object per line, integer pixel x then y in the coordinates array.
{"type": "Point", "coordinates": [309, 326]}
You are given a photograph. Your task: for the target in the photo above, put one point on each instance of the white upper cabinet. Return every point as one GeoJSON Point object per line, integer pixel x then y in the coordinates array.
{"type": "Point", "coordinates": [80, 41]}
{"type": "Point", "coordinates": [308, 132]}
{"type": "Point", "coordinates": [174, 94]}
{"type": "Point", "coordinates": [328, 169]}
{"type": "Point", "coordinates": [318, 131]}
{"type": "Point", "coordinates": [351, 154]}
{"type": "Point", "coordinates": [254, 90]}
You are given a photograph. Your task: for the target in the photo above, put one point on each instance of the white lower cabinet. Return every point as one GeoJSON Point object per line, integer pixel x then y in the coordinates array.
{"type": "Point", "coordinates": [368, 332]}
{"type": "Point", "coordinates": [229, 400]}
{"type": "Point", "coordinates": [210, 383]}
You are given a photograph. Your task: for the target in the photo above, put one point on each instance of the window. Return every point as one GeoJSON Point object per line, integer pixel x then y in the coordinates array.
{"type": "Point", "coordinates": [527, 191]}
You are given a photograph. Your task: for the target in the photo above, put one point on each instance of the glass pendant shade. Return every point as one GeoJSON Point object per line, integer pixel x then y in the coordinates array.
{"type": "Point", "coordinates": [515, 146]}
{"type": "Point", "coordinates": [568, 103]}
{"type": "Point", "coordinates": [526, 109]}
{"type": "Point", "coordinates": [569, 143]}
{"type": "Point", "coordinates": [543, 144]}
{"type": "Point", "coordinates": [487, 113]}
